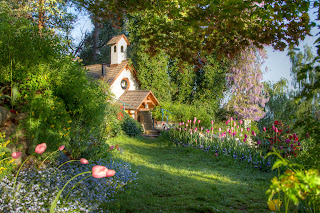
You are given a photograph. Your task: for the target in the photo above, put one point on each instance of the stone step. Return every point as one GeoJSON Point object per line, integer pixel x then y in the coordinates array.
{"type": "Point", "coordinates": [149, 136]}
{"type": "Point", "coordinates": [152, 132]}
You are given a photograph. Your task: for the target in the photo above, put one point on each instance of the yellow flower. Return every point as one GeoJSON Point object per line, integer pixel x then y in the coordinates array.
{"type": "Point", "coordinates": [52, 108]}
{"type": "Point", "coordinates": [25, 95]}
{"type": "Point", "coordinates": [52, 126]}
{"type": "Point", "coordinates": [274, 205]}
{"type": "Point", "coordinates": [69, 121]}
{"type": "Point", "coordinates": [60, 133]}
{"type": "Point", "coordinates": [69, 128]}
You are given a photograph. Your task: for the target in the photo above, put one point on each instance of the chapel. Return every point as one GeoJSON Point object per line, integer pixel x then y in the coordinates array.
{"type": "Point", "coordinates": [124, 84]}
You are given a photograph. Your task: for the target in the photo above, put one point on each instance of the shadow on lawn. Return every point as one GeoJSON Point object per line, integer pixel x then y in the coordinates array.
{"type": "Point", "coordinates": [174, 180]}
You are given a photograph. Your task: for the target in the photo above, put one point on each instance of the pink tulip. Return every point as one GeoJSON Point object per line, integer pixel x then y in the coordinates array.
{"type": "Point", "coordinates": [276, 129]}
{"type": "Point", "coordinates": [216, 154]}
{"type": "Point", "coordinates": [219, 129]}
{"type": "Point", "coordinates": [40, 148]}
{"type": "Point", "coordinates": [234, 124]}
{"type": "Point", "coordinates": [16, 155]}
{"type": "Point", "coordinates": [211, 128]}
{"type": "Point", "coordinates": [238, 126]}
{"type": "Point", "coordinates": [201, 128]}
{"type": "Point", "coordinates": [84, 161]}
{"type": "Point", "coordinates": [99, 171]}
{"type": "Point", "coordinates": [241, 129]}
{"type": "Point", "coordinates": [240, 122]}
{"type": "Point", "coordinates": [245, 135]}
{"type": "Point", "coordinates": [194, 120]}
{"type": "Point", "coordinates": [111, 147]}
{"type": "Point", "coordinates": [212, 122]}
{"type": "Point", "coordinates": [233, 134]}
{"type": "Point", "coordinates": [264, 129]}
{"type": "Point", "coordinates": [232, 128]}
{"type": "Point", "coordinates": [179, 129]}
{"type": "Point", "coordinates": [110, 173]}
{"type": "Point", "coordinates": [199, 121]}
{"type": "Point", "coordinates": [273, 127]}
{"type": "Point", "coordinates": [244, 140]}
{"type": "Point", "coordinates": [227, 122]}
{"type": "Point", "coordinates": [61, 147]}
{"type": "Point", "coordinates": [195, 129]}
{"type": "Point", "coordinates": [248, 129]}
{"type": "Point", "coordinates": [186, 125]}
{"type": "Point", "coordinates": [231, 119]}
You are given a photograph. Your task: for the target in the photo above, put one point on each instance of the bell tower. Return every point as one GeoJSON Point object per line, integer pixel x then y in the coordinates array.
{"type": "Point", "coordinates": [119, 45]}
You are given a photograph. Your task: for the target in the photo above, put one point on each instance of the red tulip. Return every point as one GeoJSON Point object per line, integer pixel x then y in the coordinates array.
{"type": "Point", "coordinates": [61, 147]}
{"type": "Point", "coordinates": [40, 148]}
{"type": "Point", "coordinates": [276, 122]}
{"type": "Point", "coordinates": [84, 161]}
{"type": "Point", "coordinates": [99, 171]}
{"type": "Point", "coordinates": [16, 155]}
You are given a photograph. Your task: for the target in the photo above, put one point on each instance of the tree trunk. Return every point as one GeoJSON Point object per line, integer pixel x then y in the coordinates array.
{"type": "Point", "coordinates": [95, 40]}
{"type": "Point", "coordinates": [41, 15]}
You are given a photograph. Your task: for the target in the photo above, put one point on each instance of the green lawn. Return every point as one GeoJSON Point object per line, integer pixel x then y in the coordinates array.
{"type": "Point", "coordinates": [176, 179]}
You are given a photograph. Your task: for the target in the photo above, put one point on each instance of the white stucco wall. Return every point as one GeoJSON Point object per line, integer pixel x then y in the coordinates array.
{"type": "Point", "coordinates": [118, 56]}
{"type": "Point", "coordinates": [116, 86]}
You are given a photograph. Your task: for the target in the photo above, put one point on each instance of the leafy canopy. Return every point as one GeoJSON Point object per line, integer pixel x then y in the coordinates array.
{"type": "Point", "coordinates": [185, 28]}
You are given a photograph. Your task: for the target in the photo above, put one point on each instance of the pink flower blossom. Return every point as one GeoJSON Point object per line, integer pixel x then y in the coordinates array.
{"type": "Point", "coordinates": [240, 122]}
{"type": "Point", "coordinates": [231, 119]}
{"type": "Point", "coordinates": [99, 171]}
{"type": "Point", "coordinates": [276, 129]}
{"type": "Point", "coordinates": [61, 147]}
{"type": "Point", "coordinates": [216, 154]}
{"type": "Point", "coordinates": [84, 161]}
{"type": "Point", "coordinates": [234, 124]}
{"type": "Point", "coordinates": [211, 128]}
{"type": "Point", "coordinates": [219, 129]}
{"type": "Point", "coordinates": [227, 122]}
{"type": "Point", "coordinates": [248, 129]}
{"type": "Point", "coordinates": [212, 122]}
{"type": "Point", "coordinates": [199, 121]}
{"type": "Point", "coordinates": [16, 155]}
{"type": "Point", "coordinates": [241, 129]}
{"type": "Point", "coordinates": [40, 148]}
{"type": "Point", "coordinates": [110, 173]}
{"type": "Point", "coordinates": [264, 129]}
{"type": "Point", "coordinates": [245, 135]}
{"type": "Point", "coordinates": [238, 126]}
{"type": "Point", "coordinates": [111, 147]}
{"type": "Point", "coordinates": [259, 142]}
{"type": "Point", "coordinates": [233, 134]}
{"type": "Point", "coordinates": [186, 125]}
{"type": "Point", "coordinates": [244, 140]}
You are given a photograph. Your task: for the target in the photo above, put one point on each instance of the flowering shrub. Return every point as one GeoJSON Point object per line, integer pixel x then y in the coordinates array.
{"type": "Point", "coordinates": [281, 138]}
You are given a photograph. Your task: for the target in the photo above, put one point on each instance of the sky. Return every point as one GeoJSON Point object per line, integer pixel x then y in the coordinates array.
{"type": "Point", "coordinates": [278, 63]}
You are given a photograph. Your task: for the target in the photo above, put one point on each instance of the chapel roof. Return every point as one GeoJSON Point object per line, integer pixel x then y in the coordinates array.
{"type": "Point", "coordinates": [112, 72]}
{"type": "Point", "coordinates": [135, 98]}
{"type": "Point", "coordinates": [117, 38]}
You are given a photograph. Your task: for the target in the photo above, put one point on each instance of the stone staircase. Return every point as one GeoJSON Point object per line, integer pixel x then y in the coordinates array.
{"type": "Point", "coordinates": [154, 133]}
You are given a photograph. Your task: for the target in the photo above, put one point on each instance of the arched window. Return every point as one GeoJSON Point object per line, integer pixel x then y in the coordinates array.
{"type": "Point", "coordinates": [122, 49]}
{"type": "Point", "coordinates": [115, 49]}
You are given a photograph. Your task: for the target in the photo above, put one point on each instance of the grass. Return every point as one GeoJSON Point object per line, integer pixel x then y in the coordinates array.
{"type": "Point", "coordinates": [176, 179]}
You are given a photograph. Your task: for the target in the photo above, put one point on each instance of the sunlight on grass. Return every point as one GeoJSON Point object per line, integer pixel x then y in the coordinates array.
{"type": "Point", "coordinates": [172, 179]}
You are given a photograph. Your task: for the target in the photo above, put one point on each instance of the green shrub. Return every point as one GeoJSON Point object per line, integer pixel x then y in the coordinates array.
{"type": "Point", "coordinates": [130, 126]}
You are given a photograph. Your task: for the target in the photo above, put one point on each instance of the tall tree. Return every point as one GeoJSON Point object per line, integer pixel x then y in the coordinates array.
{"type": "Point", "coordinates": [185, 28]}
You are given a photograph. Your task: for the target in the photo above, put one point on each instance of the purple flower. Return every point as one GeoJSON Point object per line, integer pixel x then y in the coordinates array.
{"type": "Point", "coordinates": [259, 142]}
{"type": "Point", "coordinates": [288, 140]}
{"type": "Point", "coordinates": [245, 135]}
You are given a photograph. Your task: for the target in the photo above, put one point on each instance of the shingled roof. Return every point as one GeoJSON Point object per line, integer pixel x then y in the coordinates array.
{"type": "Point", "coordinates": [136, 97]}
{"type": "Point", "coordinates": [117, 38]}
{"type": "Point", "coordinates": [95, 71]}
